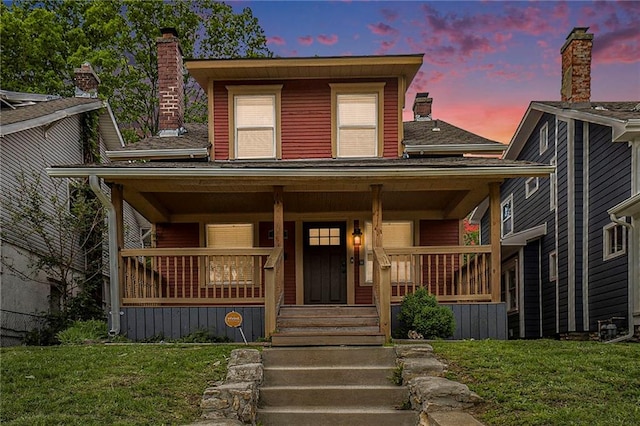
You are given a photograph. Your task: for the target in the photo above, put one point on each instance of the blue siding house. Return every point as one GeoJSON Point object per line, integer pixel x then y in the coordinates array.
{"type": "Point", "coordinates": [570, 242]}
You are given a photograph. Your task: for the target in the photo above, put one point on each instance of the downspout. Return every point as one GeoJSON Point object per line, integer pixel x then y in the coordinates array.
{"type": "Point", "coordinates": [114, 284]}
{"type": "Point", "coordinates": [630, 297]}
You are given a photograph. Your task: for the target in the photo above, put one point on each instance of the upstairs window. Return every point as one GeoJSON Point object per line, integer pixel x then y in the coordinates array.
{"type": "Point", "coordinates": [544, 138]}
{"type": "Point", "coordinates": [254, 122]}
{"type": "Point", "coordinates": [357, 120]}
{"type": "Point", "coordinates": [506, 211]}
{"type": "Point", "coordinates": [614, 241]}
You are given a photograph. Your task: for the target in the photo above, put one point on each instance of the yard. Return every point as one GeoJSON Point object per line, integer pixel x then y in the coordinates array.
{"type": "Point", "coordinates": [523, 382]}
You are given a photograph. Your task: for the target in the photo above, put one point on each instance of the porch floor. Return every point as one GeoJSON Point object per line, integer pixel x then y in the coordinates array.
{"type": "Point", "coordinates": [328, 325]}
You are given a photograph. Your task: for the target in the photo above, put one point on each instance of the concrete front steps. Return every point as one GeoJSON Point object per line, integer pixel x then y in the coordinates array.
{"type": "Point", "coordinates": [326, 325]}
{"type": "Point", "coordinates": [332, 386]}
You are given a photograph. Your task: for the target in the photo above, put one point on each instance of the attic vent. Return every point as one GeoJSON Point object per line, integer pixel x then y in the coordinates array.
{"type": "Point", "coordinates": [436, 128]}
{"type": "Point", "coordinates": [600, 108]}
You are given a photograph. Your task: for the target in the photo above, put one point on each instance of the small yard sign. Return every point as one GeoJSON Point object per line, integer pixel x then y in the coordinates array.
{"type": "Point", "coordinates": [234, 319]}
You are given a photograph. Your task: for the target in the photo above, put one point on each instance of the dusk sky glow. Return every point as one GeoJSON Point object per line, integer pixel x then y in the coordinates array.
{"type": "Point", "coordinates": [484, 62]}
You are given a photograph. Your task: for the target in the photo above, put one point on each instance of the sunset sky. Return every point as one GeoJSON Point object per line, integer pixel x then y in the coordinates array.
{"type": "Point", "coordinates": [484, 60]}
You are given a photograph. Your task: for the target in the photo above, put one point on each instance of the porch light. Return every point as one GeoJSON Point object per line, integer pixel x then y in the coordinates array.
{"type": "Point", "coordinates": [357, 237]}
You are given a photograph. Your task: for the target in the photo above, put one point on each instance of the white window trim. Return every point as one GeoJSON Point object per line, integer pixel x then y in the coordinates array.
{"type": "Point", "coordinates": [364, 89]}
{"type": "Point", "coordinates": [508, 200]}
{"type": "Point", "coordinates": [529, 192]}
{"type": "Point", "coordinates": [609, 252]}
{"type": "Point", "coordinates": [553, 266]}
{"type": "Point", "coordinates": [274, 90]}
{"type": "Point", "coordinates": [544, 138]}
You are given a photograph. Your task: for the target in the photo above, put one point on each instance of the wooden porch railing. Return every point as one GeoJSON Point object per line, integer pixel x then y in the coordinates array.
{"type": "Point", "coordinates": [451, 273]}
{"type": "Point", "coordinates": [382, 289]}
{"type": "Point", "coordinates": [173, 276]}
{"type": "Point", "coordinates": [274, 289]}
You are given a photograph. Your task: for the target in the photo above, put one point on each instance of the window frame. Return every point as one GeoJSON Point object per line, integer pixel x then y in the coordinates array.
{"type": "Point", "coordinates": [253, 276]}
{"type": "Point", "coordinates": [508, 200]}
{"type": "Point", "coordinates": [544, 141]}
{"type": "Point", "coordinates": [609, 252]}
{"type": "Point", "coordinates": [234, 92]}
{"type": "Point", "coordinates": [368, 250]}
{"type": "Point", "coordinates": [357, 89]}
{"type": "Point", "coordinates": [529, 192]}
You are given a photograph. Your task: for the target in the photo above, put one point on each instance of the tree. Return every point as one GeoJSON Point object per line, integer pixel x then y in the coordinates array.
{"type": "Point", "coordinates": [43, 41]}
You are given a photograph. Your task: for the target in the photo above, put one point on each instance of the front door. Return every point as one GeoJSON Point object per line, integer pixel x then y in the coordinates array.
{"type": "Point", "coordinates": [325, 263]}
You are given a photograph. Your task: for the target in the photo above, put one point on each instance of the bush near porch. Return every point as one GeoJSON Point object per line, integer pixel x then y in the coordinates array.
{"type": "Point", "coordinates": [548, 382]}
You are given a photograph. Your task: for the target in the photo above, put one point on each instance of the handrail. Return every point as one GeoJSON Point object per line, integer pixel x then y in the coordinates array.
{"type": "Point", "coordinates": [197, 251]}
{"type": "Point", "coordinates": [274, 288]}
{"type": "Point", "coordinates": [382, 258]}
{"type": "Point", "coordinates": [274, 256]}
{"type": "Point", "coordinates": [382, 290]}
{"type": "Point", "coordinates": [439, 249]}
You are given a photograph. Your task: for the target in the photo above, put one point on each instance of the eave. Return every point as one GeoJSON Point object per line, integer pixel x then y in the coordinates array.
{"type": "Point", "coordinates": [629, 207]}
{"type": "Point", "coordinates": [158, 154]}
{"type": "Point", "coordinates": [43, 120]}
{"type": "Point", "coordinates": [304, 68]}
{"type": "Point", "coordinates": [455, 149]}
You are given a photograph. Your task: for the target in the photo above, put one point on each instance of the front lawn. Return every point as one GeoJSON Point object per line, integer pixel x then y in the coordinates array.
{"type": "Point", "coordinates": [546, 382]}
{"type": "Point", "coordinates": [106, 385]}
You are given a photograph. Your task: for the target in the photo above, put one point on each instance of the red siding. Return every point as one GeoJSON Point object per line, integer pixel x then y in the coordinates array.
{"type": "Point", "coordinates": [306, 117]}
{"type": "Point", "coordinates": [177, 235]}
{"type": "Point", "coordinates": [439, 233]}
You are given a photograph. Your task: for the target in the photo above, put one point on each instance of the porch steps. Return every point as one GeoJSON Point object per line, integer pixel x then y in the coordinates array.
{"type": "Point", "coordinates": [332, 386]}
{"type": "Point", "coordinates": [322, 325]}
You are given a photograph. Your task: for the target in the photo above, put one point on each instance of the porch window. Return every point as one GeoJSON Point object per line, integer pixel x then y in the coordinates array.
{"type": "Point", "coordinates": [615, 241]}
{"type": "Point", "coordinates": [510, 285]}
{"type": "Point", "coordinates": [357, 120]}
{"type": "Point", "coordinates": [232, 269]}
{"type": "Point", "coordinates": [395, 234]}
{"type": "Point", "coordinates": [506, 209]}
{"type": "Point", "coordinates": [254, 122]}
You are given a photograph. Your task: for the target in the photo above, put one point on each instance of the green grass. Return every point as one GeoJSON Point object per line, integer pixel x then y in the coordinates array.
{"type": "Point", "coordinates": [548, 382]}
{"type": "Point", "coordinates": [107, 384]}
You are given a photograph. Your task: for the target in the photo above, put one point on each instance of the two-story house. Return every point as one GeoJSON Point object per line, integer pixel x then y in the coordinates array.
{"type": "Point", "coordinates": [571, 241]}
{"type": "Point", "coordinates": [37, 131]}
{"type": "Point", "coordinates": [304, 201]}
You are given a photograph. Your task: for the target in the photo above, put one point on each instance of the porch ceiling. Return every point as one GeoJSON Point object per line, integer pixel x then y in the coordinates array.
{"type": "Point", "coordinates": [163, 200]}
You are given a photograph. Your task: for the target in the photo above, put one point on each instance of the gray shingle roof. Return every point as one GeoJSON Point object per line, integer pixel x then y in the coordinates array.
{"type": "Point", "coordinates": [42, 109]}
{"type": "Point", "coordinates": [422, 133]}
{"type": "Point", "coordinates": [197, 136]}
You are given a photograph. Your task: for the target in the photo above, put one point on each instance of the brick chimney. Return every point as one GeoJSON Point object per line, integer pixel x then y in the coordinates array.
{"type": "Point", "coordinates": [86, 81]}
{"type": "Point", "coordinates": [576, 67]}
{"type": "Point", "coordinates": [170, 84]}
{"type": "Point", "coordinates": [422, 107]}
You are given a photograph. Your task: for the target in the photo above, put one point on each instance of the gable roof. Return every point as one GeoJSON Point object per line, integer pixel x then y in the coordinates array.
{"type": "Point", "coordinates": [440, 137]}
{"type": "Point", "coordinates": [622, 116]}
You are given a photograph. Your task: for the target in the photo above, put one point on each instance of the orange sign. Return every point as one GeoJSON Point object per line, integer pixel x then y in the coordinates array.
{"type": "Point", "coordinates": [233, 319]}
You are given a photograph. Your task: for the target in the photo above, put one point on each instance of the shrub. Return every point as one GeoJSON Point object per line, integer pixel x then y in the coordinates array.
{"type": "Point", "coordinates": [81, 331]}
{"type": "Point", "coordinates": [420, 312]}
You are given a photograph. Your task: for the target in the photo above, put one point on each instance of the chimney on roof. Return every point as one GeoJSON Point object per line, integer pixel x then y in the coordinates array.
{"type": "Point", "coordinates": [576, 67]}
{"type": "Point", "coordinates": [422, 107]}
{"type": "Point", "coordinates": [170, 84]}
{"type": "Point", "coordinates": [86, 81]}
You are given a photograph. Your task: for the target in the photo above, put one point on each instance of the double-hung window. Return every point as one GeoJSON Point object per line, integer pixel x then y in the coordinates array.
{"type": "Point", "coordinates": [614, 241]}
{"type": "Point", "coordinates": [506, 211]}
{"type": "Point", "coordinates": [395, 234]}
{"type": "Point", "coordinates": [254, 122]}
{"type": "Point", "coordinates": [237, 269]}
{"type": "Point", "coordinates": [357, 120]}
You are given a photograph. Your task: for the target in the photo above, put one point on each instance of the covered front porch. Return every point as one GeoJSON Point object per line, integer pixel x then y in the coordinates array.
{"type": "Point", "coordinates": [318, 236]}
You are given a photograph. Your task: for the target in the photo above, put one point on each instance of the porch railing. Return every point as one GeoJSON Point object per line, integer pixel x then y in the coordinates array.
{"type": "Point", "coordinates": [274, 288]}
{"type": "Point", "coordinates": [155, 277]}
{"type": "Point", "coordinates": [451, 273]}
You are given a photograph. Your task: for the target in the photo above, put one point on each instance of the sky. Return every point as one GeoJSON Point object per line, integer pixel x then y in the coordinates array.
{"type": "Point", "coordinates": [484, 61]}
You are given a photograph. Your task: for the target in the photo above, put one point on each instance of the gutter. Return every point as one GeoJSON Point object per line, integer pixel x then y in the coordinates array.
{"type": "Point", "coordinates": [456, 149]}
{"type": "Point", "coordinates": [630, 297]}
{"type": "Point", "coordinates": [158, 154]}
{"type": "Point", "coordinates": [114, 278]}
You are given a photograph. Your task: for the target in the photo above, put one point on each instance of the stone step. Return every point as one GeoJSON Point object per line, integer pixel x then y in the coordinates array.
{"type": "Point", "coordinates": [326, 416]}
{"type": "Point", "coordinates": [329, 357]}
{"type": "Point", "coordinates": [327, 339]}
{"type": "Point", "coordinates": [388, 396]}
{"type": "Point", "coordinates": [326, 376]}
{"type": "Point", "coordinates": [452, 418]}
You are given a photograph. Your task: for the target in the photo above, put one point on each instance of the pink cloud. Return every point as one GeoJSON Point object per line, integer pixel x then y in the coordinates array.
{"type": "Point", "coordinates": [382, 29]}
{"type": "Point", "coordinates": [305, 41]}
{"type": "Point", "coordinates": [385, 46]}
{"type": "Point", "coordinates": [502, 38]}
{"type": "Point", "coordinates": [389, 15]}
{"type": "Point", "coordinates": [621, 45]}
{"type": "Point", "coordinates": [328, 40]}
{"type": "Point", "coordinates": [277, 40]}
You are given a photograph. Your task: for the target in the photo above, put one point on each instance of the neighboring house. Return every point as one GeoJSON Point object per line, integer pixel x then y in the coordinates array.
{"type": "Point", "coordinates": [37, 131]}
{"type": "Point", "coordinates": [304, 188]}
{"type": "Point", "coordinates": [571, 242]}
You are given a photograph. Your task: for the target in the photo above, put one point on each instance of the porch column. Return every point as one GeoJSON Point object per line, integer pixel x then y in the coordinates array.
{"type": "Point", "coordinates": [274, 286]}
{"type": "Point", "coordinates": [381, 287]}
{"type": "Point", "coordinates": [278, 217]}
{"type": "Point", "coordinates": [116, 200]}
{"type": "Point", "coordinates": [494, 208]}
